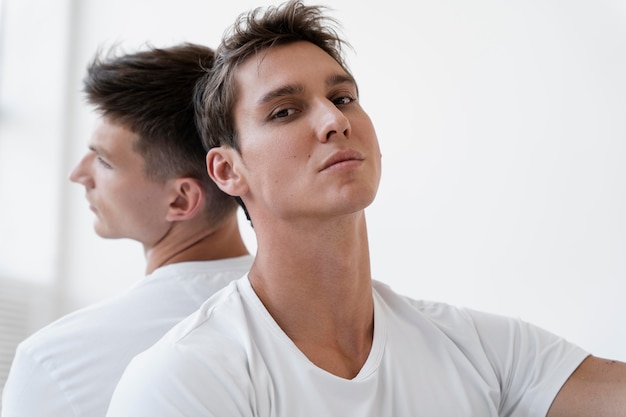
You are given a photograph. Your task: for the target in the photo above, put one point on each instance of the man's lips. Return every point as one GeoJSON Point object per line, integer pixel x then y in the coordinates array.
{"type": "Point", "coordinates": [345, 155]}
{"type": "Point", "coordinates": [91, 205]}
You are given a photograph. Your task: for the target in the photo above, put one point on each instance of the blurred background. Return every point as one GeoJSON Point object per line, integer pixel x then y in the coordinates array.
{"type": "Point", "coordinates": [502, 127]}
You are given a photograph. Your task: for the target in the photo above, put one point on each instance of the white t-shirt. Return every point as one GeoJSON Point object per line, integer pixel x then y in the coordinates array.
{"type": "Point", "coordinates": [230, 359]}
{"type": "Point", "coordinates": [70, 367]}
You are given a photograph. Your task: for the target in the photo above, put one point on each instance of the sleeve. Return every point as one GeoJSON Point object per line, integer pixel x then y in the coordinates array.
{"type": "Point", "coordinates": [31, 390]}
{"type": "Point", "coordinates": [178, 382]}
{"type": "Point", "coordinates": [532, 364]}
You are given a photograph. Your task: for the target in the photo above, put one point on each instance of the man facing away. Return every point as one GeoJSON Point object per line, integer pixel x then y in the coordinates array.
{"type": "Point", "coordinates": [308, 332]}
{"type": "Point", "coordinates": [145, 179]}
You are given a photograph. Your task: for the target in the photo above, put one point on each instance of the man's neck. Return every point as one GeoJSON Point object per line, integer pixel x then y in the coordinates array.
{"type": "Point", "coordinates": [192, 242]}
{"type": "Point", "coordinates": [317, 287]}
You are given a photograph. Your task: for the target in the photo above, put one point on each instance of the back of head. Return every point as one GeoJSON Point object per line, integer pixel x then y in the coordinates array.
{"type": "Point", "coordinates": [251, 33]}
{"type": "Point", "coordinates": [150, 92]}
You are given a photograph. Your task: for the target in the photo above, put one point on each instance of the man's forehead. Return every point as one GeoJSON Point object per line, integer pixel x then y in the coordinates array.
{"type": "Point", "coordinates": [285, 69]}
{"type": "Point", "coordinates": [108, 134]}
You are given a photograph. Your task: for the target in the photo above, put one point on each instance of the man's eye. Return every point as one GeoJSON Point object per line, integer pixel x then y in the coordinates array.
{"type": "Point", "coordinates": [104, 163]}
{"type": "Point", "coordinates": [343, 100]}
{"type": "Point", "coordinates": [283, 113]}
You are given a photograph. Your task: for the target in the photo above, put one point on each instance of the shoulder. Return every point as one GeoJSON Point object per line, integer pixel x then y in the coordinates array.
{"type": "Point", "coordinates": [521, 356]}
{"type": "Point", "coordinates": [443, 314]}
{"type": "Point", "coordinates": [61, 335]}
{"type": "Point", "coordinates": [208, 352]}
{"type": "Point", "coordinates": [494, 336]}
{"type": "Point", "coordinates": [438, 313]}
{"type": "Point", "coordinates": [217, 327]}
{"type": "Point", "coordinates": [51, 363]}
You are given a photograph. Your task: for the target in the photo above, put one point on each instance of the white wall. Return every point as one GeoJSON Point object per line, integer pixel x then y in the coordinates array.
{"type": "Point", "coordinates": [502, 126]}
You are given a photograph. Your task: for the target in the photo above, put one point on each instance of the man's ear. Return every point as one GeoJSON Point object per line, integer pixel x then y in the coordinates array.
{"type": "Point", "coordinates": [187, 199]}
{"type": "Point", "coordinates": [224, 167]}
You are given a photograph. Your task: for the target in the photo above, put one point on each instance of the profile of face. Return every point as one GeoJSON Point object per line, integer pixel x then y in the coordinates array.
{"type": "Point", "coordinates": [125, 202]}
{"type": "Point", "coordinates": [307, 146]}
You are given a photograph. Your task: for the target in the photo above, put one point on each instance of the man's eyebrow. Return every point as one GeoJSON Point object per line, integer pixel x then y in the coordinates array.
{"type": "Point", "coordinates": [296, 89]}
{"type": "Point", "coordinates": [336, 79]}
{"type": "Point", "coordinates": [286, 90]}
{"type": "Point", "coordinates": [98, 151]}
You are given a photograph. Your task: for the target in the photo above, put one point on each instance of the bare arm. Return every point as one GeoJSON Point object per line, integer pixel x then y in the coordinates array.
{"type": "Point", "coordinates": [596, 388]}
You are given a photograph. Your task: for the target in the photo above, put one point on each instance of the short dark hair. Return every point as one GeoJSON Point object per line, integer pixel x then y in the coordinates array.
{"type": "Point", "coordinates": [253, 32]}
{"type": "Point", "coordinates": [150, 92]}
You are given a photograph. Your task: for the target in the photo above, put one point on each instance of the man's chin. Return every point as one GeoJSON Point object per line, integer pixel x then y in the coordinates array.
{"type": "Point", "coordinates": [103, 232]}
